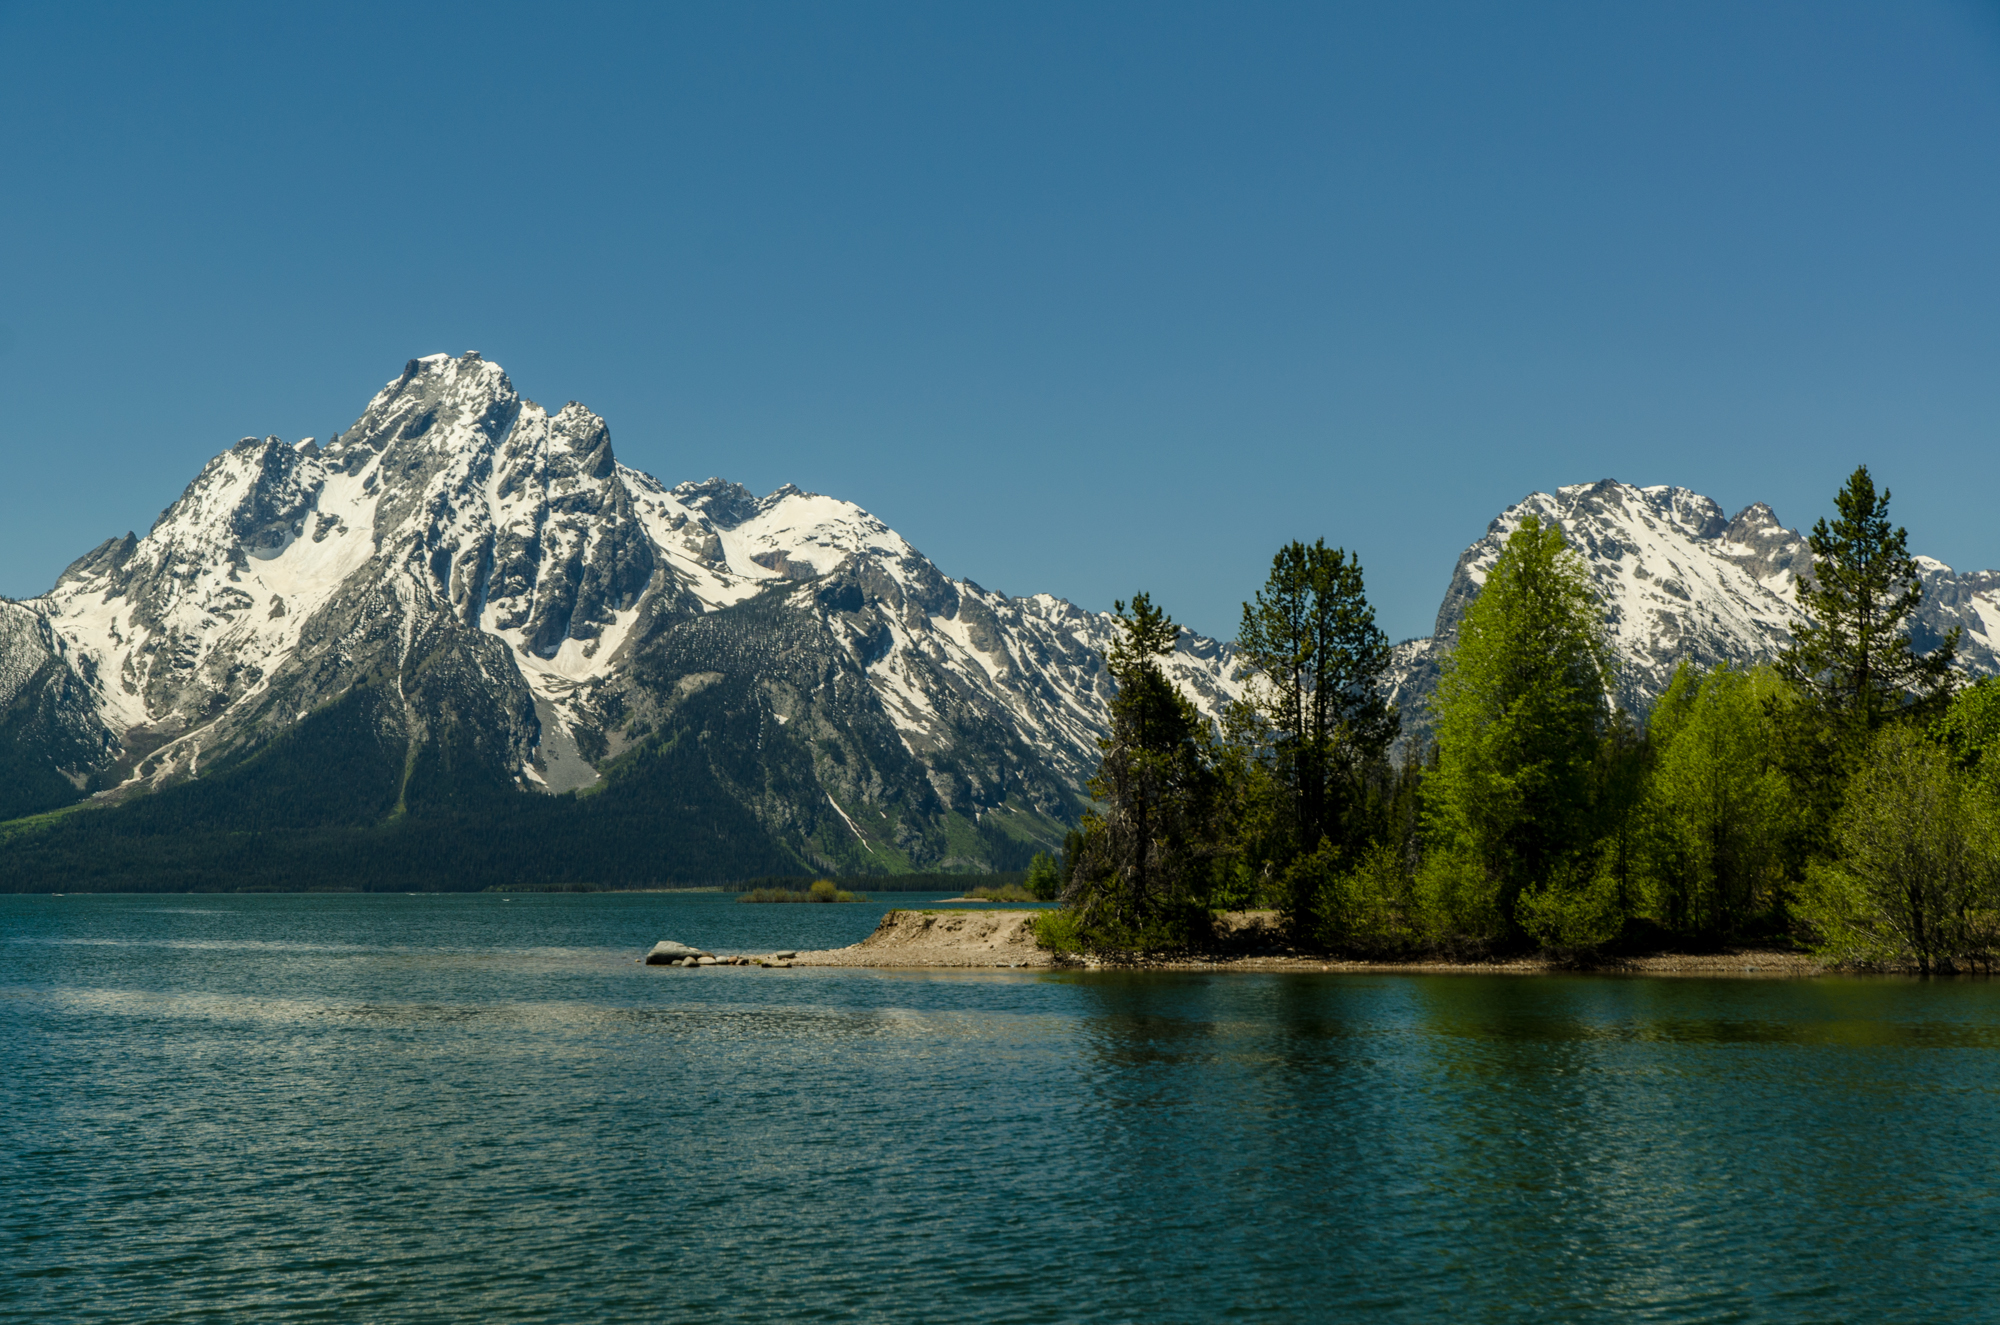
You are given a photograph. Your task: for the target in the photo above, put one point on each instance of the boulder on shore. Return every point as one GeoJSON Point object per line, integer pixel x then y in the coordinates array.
{"type": "Point", "coordinates": [666, 950]}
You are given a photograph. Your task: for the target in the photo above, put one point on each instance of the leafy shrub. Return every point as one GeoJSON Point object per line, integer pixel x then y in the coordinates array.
{"type": "Point", "coordinates": [1573, 914]}
{"type": "Point", "coordinates": [1366, 910]}
{"type": "Point", "coordinates": [1456, 908]}
{"type": "Point", "coordinates": [1917, 878]}
{"type": "Point", "coordinates": [1059, 932]}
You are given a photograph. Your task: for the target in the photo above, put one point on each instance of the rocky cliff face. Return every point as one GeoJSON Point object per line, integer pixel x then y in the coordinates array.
{"type": "Point", "coordinates": [532, 614]}
{"type": "Point", "coordinates": [1681, 581]}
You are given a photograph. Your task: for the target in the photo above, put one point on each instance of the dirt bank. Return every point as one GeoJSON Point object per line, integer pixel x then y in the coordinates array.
{"type": "Point", "coordinates": [947, 939]}
{"type": "Point", "coordinates": [942, 938]}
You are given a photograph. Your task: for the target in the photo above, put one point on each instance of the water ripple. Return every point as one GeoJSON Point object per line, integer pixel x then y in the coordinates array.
{"type": "Point", "coordinates": [410, 1109]}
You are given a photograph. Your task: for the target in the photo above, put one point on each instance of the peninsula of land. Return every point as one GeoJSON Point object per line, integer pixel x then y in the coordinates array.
{"type": "Point", "coordinates": [942, 940]}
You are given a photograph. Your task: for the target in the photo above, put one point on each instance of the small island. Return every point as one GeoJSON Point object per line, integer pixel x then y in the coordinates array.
{"type": "Point", "coordinates": [822, 890]}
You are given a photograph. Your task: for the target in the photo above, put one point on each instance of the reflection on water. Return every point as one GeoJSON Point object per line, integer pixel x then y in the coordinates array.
{"type": "Point", "coordinates": [403, 1109]}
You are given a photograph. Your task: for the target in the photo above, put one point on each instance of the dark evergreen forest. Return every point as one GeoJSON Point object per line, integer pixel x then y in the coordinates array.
{"type": "Point", "coordinates": [340, 802]}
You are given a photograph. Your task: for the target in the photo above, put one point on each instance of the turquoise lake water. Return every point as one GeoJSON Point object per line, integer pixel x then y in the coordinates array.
{"type": "Point", "coordinates": [391, 1108]}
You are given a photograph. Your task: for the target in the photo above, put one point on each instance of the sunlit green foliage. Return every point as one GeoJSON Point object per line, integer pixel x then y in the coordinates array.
{"type": "Point", "coordinates": [1916, 877]}
{"type": "Point", "coordinates": [1522, 712]}
{"type": "Point", "coordinates": [1719, 804]}
{"type": "Point", "coordinates": [1044, 881]}
{"type": "Point", "coordinates": [1059, 932]}
{"type": "Point", "coordinates": [1970, 730]}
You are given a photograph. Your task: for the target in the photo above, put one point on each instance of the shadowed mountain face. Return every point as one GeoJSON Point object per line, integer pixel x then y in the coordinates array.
{"type": "Point", "coordinates": [1679, 581]}
{"type": "Point", "coordinates": [510, 616]}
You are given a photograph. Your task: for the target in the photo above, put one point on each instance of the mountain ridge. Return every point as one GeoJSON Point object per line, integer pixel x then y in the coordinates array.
{"type": "Point", "coordinates": [1681, 581]}
{"type": "Point", "coordinates": [531, 612]}
{"type": "Point", "coordinates": [531, 662]}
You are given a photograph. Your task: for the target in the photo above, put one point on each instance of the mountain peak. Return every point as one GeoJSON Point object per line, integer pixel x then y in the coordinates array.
{"type": "Point", "coordinates": [725, 504]}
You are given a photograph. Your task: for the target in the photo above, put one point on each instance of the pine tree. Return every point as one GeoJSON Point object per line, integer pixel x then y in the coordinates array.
{"type": "Point", "coordinates": [1318, 714]}
{"type": "Point", "coordinates": [1854, 656]}
{"type": "Point", "coordinates": [1311, 635]}
{"type": "Point", "coordinates": [1141, 875]}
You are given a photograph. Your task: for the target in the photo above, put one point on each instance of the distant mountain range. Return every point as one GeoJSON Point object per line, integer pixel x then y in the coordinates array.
{"type": "Point", "coordinates": [1680, 580]}
{"type": "Point", "coordinates": [459, 644]}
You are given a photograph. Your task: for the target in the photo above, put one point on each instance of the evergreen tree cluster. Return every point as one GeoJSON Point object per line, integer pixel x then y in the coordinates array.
{"type": "Point", "coordinates": [1845, 797]}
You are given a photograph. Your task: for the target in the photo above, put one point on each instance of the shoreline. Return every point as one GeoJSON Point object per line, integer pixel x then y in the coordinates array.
{"type": "Point", "coordinates": [1002, 939]}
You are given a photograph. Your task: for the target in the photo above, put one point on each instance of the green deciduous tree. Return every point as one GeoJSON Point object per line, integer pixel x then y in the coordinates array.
{"type": "Point", "coordinates": [1142, 873]}
{"type": "Point", "coordinates": [1522, 710]}
{"type": "Point", "coordinates": [1970, 730]}
{"type": "Point", "coordinates": [1913, 878]}
{"type": "Point", "coordinates": [1044, 879]}
{"type": "Point", "coordinates": [1720, 806]}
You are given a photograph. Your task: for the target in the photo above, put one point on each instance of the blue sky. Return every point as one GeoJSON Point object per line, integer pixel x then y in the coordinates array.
{"type": "Point", "coordinates": [1082, 298]}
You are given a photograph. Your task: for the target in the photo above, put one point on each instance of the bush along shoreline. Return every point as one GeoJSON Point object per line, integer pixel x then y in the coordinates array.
{"type": "Point", "coordinates": [1841, 804]}
{"type": "Point", "coordinates": [822, 890]}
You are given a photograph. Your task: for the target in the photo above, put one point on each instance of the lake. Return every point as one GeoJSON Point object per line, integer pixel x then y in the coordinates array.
{"type": "Point", "coordinates": [422, 1108]}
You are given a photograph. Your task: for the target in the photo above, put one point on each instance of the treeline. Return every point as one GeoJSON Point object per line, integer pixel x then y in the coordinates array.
{"type": "Point", "coordinates": [318, 808]}
{"type": "Point", "coordinates": [1843, 796]}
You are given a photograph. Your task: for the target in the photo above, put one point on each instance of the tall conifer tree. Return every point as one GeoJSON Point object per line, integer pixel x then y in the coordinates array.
{"type": "Point", "coordinates": [1854, 655]}
{"type": "Point", "coordinates": [1140, 877]}
{"type": "Point", "coordinates": [1318, 719]}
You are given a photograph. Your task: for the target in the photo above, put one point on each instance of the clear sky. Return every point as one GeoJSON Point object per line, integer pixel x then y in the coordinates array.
{"type": "Point", "coordinates": [1079, 297]}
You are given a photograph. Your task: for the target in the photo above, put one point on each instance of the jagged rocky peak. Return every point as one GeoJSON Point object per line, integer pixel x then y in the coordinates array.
{"type": "Point", "coordinates": [106, 558]}
{"type": "Point", "coordinates": [491, 572]}
{"type": "Point", "coordinates": [438, 399]}
{"type": "Point", "coordinates": [725, 504]}
{"type": "Point", "coordinates": [1765, 547]}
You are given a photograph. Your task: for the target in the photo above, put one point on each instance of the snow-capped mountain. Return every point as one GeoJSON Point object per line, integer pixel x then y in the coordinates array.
{"type": "Point", "coordinates": [1681, 581]}
{"type": "Point", "coordinates": [523, 610]}
{"type": "Point", "coordinates": [424, 633]}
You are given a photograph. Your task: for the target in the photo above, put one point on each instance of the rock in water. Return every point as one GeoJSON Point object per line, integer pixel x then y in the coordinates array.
{"type": "Point", "coordinates": [666, 950]}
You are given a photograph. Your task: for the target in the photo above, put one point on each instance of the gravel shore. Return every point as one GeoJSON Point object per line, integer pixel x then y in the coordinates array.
{"type": "Point", "coordinates": [1000, 939]}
